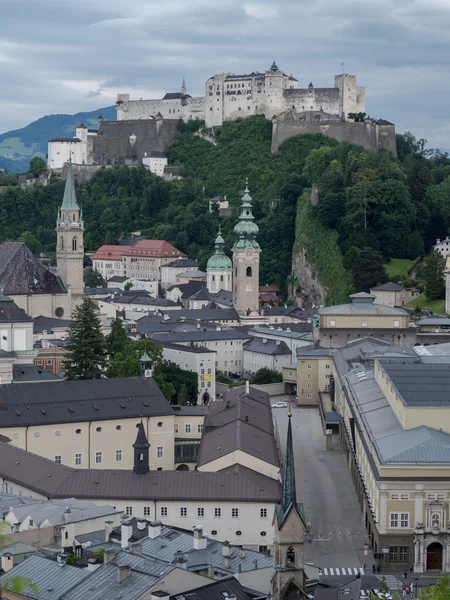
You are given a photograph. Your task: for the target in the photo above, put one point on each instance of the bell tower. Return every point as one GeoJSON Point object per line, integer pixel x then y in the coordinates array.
{"type": "Point", "coordinates": [246, 253]}
{"type": "Point", "coordinates": [69, 248]}
{"type": "Point", "coordinates": [289, 578]}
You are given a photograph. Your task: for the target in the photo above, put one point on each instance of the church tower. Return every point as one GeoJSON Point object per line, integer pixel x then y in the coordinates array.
{"type": "Point", "coordinates": [246, 253]}
{"type": "Point", "coordinates": [70, 249]}
{"type": "Point", "coordinates": [219, 270]}
{"type": "Point", "coordinates": [288, 581]}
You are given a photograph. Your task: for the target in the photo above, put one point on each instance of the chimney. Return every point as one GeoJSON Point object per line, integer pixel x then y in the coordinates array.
{"type": "Point", "coordinates": [109, 526]}
{"type": "Point", "coordinates": [277, 342]}
{"type": "Point", "coordinates": [122, 573]}
{"type": "Point", "coordinates": [126, 531]}
{"type": "Point", "coordinates": [108, 556]}
{"type": "Point", "coordinates": [242, 553]}
{"type": "Point", "coordinates": [226, 550]}
{"type": "Point", "coordinates": [7, 562]}
{"type": "Point", "coordinates": [218, 328]}
{"type": "Point", "coordinates": [137, 548]}
{"type": "Point", "coordinates": [166, 317]}
{"type": "Point", "coordinates": [211, 572]}
{"type": "Point", "coordinates": [200, 542]}
{"type": "Point", "coordinates": [141, 524]}
{"type": "Point", "coordinates": [67, 515]}
{"type": "Point", "coordinates": [154, 529]}
{"type": "Point", "coordinates": [232, 597]}
{"type": "Point", "coordinates": [198, 323]}
{"type": "Point", "coordinates": [159, 595]}
{"type": "Point", "coordinates": [227, 404]}
{"type": "Point", "coordinates": [264, 340]}
{"type": "Point", "coordinates": [247, 387]}
{"type": "Point", "coordinates": [227, 562]}
{"type": "Point", "coordinates": [93, 565]}
{"type": "Point", "coordinates": [180, 560]}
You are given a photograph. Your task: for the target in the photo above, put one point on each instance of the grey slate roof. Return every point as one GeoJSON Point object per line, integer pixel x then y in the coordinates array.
{"type": "Point", "coordinates": [22, 273]}
{"type": "Point", "coordinates": [183, 262]}
{"type": "Point", "coordinates": [81, 400]}
{"type": "Point", "coordinates": [143, 301]}
{"type": "Point", "coordinates": [223, 297]}
{"type": "Point", "coordinates": [237, 435]}
{"type": "Point", "coordinates": [8, 501]}
{"type": "Point", "coordinates": [218, 590]}
{"type": "Point", "coordinates": [156, 154]}
{"type": "Point", "coordinates": [240, 409]}
{"type": "Point", "coordinates": [418, 445]}
{"type": "Point", "coordinates": [52, 580]}
{"type": "Point", "coordinates": [24, 373]}
{"type": "Point", "coordinates": [209, 314]}
{"type": "Point", "coordinates": [270, 347]}
{"type": "Point", "coordinates": [363, 308]}
{"type": "Point", "coordinates": [433, 321]}
{"type": "Point", "coordinates": [10, 312]}
{"type": "Point", "coordinates": [387, 287]}
{"type": "Point", "coordinates": [199, 336]}
{"type": "Point", "coordinates": [187, 289]}
{"type": "Point", "coordinates": [58, 481]}
{"type": "Point", "coordinates": [175, 96]}
{"type": "Point", "coordinates": [421, 384]}
{"type": "Point", "coordinates": [202, 294]}
{"type": "Point", "coordinates": [49, 324]}
{"type": "Point", "coordinates": [194, 350]}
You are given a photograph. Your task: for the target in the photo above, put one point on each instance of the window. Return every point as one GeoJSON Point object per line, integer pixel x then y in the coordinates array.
{"type": "Point", "coordinates": [248, 272]}
{"type": "Point", "coordinates": [78, 431]}
{"type": "Point", "coordinates": [146, 511]}
{"type": "Point", "coordinates": [332, 323]}
{"type": "Point", "coordinates": [118, 455]}
{"type": "Point", "coordinates": [440, 496]}
{"type": "Point", "coordinates": [393, 553]}
{"type": "Point", "coordinates": [309, 376]}
{"type": "Point", "coordinates": [98, 458]}
{"type": "Point", "coordinates": [396, 323]}
{"type": "Point", "coordinates": [404, 496]}
{"type": "Point", "coordinates": [217, 513]}
{"type": "Point", "coordinates": [163, 511]}
{"type": "Point", "coordinates": [234, 513]}
{"type": "Point", "coordinates": [187, 428]}
{"type": "Point", "coordinates": [200, 512]}
{"type": "Point", "coordinates": [175, 427]}
{"type": "Point", "coordinates": [309, 395]}
{"type": "Point", "coordinates": [263, 549]}
{"type": "Point", "coordinates": [74, 242]}
{"type": "Point", "coordinates": [309, 386]}
{"type": "Point", "coordinates": [435, 520]}
{"type": "Point", "coordinates": [263, 513]}
{"type": "Point", "coordinates": [200, 428]}
{"type": "Point", "coordinates": [363, 323]}
{"type": "Point", "coordinates": [327, 366]}
{"type": "Point", "coordinates": [394, 519]}
{"type": "Point", "coordinates": [403, 554]}
{"type": "Point", "coordinates": [31, 522]}
{"type": "Point", "coordinates": [183, 511]}
{"type": "Point", "coordinates": [309, 366]}
{"type": "Point", "coordinates": [395, 496]}
{"type": "Point", "coordinates": [160, 451]}
{"type": "Point", "coordinates": [128, 510]}
{"type": "Point", "coordinates": [58, 459]}
{"type": "Point", "coordinates": [404, 519]}
{"type": "Point", "coordinates": [78, 460]}
{"type": "Point", "coordinates": [327, 387]}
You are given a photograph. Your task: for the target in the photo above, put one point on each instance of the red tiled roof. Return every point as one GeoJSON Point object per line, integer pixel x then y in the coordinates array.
{"type": "Point", "coordinates": [158, 248]}
{"type": "Point", "coordinates": [111, 252]}
{"type": "Point", "coordinates": [268, 288]}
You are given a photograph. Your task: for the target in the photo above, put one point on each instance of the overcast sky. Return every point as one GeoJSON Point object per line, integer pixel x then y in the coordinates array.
{"type": "Point", "coordinates": [62, 56]}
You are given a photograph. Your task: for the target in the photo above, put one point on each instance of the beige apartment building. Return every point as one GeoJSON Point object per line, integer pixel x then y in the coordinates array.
{"type": "Point", "coordinates": [363, 317]}
{"type": "Point", "coordinates": [92, 424]}
{"type": "Point", "coordinates": [393, 409]}
{"type": "Point", "coordinates": [394, 294]}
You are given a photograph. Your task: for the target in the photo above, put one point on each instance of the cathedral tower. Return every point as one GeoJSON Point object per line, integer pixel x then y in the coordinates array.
{"type": "Point", "coordinates": [246, 253]}
{"type": "Point", "coordinates": [69, 249]}
{"type": "Point", "coordinates": [288, 581]}
{"type": "Point", "coordinates": [219, 270]}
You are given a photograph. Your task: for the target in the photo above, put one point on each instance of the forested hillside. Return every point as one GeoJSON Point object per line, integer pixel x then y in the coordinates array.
{"type": "Point", "coordinates": [365, 198]}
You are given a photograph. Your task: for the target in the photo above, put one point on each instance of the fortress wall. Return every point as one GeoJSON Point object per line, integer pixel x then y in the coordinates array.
{"type": "Point", "coordinates": [325, 99]}
{"type": "Point", "coordinates": [368, 135]}
{"type": "Point", "coordinates": [112, 145]}
{"type": "Point", "coordinates": [146, 109]}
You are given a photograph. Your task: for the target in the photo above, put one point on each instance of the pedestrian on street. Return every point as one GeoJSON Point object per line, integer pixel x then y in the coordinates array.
{"type": "Point", "coordinates": [378, 569]}
{"type": "Point", "coordinates": [405, 574]}
{"type": "Point", "coordinates": [403, 590]}
{"type": "Point", "coordinates": [374, 569]}
{"type": "Point", "coordinates": [411, 588]}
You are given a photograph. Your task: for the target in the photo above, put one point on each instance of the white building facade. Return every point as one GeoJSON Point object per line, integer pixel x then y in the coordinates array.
{"type": "Point", "coordinates": [198, 360]}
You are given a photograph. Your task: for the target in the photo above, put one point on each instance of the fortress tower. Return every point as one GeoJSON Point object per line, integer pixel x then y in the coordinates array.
{"type": "Point", "coordinates": [246, 253]}
{"type": "Point", "coordinates": [219, 270]}
{"type": "Point", "coordinates": [70, 249]}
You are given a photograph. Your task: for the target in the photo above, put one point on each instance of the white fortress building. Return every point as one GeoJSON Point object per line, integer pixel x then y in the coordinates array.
{"type": "Point", "coordinates": [229, 97]}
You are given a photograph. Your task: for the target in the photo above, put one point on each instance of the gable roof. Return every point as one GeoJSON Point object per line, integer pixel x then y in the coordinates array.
{"type": "Point", "coordinates": [269, 347]}
{"type": "Point", "coordinates": [49, 324]}
{"type": "Point", "coordinates": [175, 96]}
{"type": "Point", "coordinates": [187, 289]}
{"type": "Point", "coordinates": [80, 400]}
{"type": "Point", "coordinates": [22, 273]}
{"type": "Point", "coordinates": [217, 590]}
{"type": "Point", "coordinates": [387, 287]}
{"type": "Point", "coordinates": [10, 312]}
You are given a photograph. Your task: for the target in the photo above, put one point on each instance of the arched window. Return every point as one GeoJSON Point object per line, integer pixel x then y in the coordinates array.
{"type": "Point", "coordinates": [73, 217]}
{"type": "Point", "coordinates": [61, 243]}
{"type": "Point", "coordinates": [213, 277]}
{"type": "Point", "coordinates": [290, 556]}
{"type": "Point", "coordinates": [249, 272]}
{"type": "Point", "coordinates": [221, 278]}
{"type": "Point", "coordinates": [74, 244]}
{"type": "Point", "coordinates": [435, 520]}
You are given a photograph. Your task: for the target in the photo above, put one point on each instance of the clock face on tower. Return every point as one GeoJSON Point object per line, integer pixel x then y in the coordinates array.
{"type": "Point", "coordinates": [248, 252]}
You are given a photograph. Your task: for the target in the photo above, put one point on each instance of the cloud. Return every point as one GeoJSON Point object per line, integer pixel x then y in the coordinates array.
{"type": "Point", "coordinates": [68, 57]}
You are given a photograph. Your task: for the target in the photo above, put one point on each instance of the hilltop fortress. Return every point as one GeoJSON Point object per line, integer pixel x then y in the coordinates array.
{"type": "Point", "coordinates": [146, 126]}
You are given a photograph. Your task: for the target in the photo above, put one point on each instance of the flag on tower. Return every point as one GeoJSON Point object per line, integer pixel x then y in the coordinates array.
{"type": "Point", "coordinates": [342, 64]}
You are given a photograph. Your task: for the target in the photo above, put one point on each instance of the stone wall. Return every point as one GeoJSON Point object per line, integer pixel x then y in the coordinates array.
{"type": "Point", "coordinates": [371, 134]}
{"type": "Point", "coordinates": [126, 142]}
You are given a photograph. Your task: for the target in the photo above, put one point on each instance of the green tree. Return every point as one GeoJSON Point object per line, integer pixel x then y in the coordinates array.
{"type": "Point", "coordinates": [182, 396]}
{"type": "Point", "coordinates": [433, 273]}
{"type": "Point", "coordinates": [86, 348]}
{"type": "Point", "coordinates": [31, 241]}
{"type": "Point", "coordinates": [128, 286]}
{"type": "Point", "coordinates": [368, 270]}
{"type": "Point", "coordinates": [93, 279]}
{"type": "Point", "coordinates": [37, 167]}
{"type": "Point", "coordinates": [439, 591]}
{"type": "Point", "coordinates": [266, 375]}
{"type": "Point", "coordinates": [117, 341]}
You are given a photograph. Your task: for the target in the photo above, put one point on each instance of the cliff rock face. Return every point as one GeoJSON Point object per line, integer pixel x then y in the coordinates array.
{"type": "Point", "coordinates": [313, 291]}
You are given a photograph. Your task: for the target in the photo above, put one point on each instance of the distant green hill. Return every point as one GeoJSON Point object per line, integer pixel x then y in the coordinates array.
{"type": "Point", "coordinates": [17, 147]}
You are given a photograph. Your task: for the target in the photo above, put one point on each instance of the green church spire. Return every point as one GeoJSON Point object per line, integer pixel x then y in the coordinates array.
{"type": "Point", "coordinates": [219, 260]}
{"type": "Point", "coordinates": [246, 229]}
{"type": "Point", "coordinates": [289, 491]}
{"type": "Point", "coordinates": [69, 200]}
